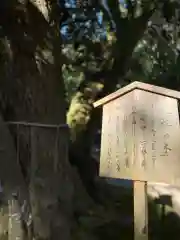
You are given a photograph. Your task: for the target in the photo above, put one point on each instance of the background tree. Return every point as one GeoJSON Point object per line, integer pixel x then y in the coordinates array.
{"type": "Point", "coordinates": [56, 59]}
{"type": "Point", "coordinates": [32, 90]}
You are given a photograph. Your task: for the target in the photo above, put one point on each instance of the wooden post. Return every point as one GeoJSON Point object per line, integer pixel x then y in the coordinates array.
{"type": "Point", "coordinates": [140, 211]}
{"type": "Point", "coordinates": [15, 230]}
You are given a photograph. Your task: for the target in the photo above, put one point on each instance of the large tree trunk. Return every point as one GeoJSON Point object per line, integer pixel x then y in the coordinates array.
{"type": "Point", "coordinates": [34, 92]}
{"type": "Point", "coordinates": [14, 191]}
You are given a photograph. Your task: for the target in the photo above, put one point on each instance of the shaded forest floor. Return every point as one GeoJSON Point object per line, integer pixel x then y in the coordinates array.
{"type": "Point", "coordinates": [114, 218]}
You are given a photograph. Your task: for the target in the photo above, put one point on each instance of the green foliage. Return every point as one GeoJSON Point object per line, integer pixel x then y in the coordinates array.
{"type": "Point", "coordinates": [72, 79]}
{"type": "Point", "coordinates": [78, 115]}
{"type": "Point", "coordinates": [155, 58]}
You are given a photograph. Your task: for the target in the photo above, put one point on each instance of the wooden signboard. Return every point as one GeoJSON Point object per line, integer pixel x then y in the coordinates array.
{"type": "Point", "coordinates": [140, 140]}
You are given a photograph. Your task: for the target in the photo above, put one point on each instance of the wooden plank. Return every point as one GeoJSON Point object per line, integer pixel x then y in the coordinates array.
{"type": "Point", "coordinates": [140, 138]}
{"type": "Point", "coordinates": [138, 85]}
{"type": "Point", "coordinates": [158, 90]}
{"type": "Point", "coordinates": [107, 138]}
{"type": "Point", "coordinates": [140, 211]}
{"type": "Point", "coordinates": [115, 95]}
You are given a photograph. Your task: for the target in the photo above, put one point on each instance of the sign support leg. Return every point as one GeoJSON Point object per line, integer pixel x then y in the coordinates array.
{"type": "Point", "coordinates": [140, 211]}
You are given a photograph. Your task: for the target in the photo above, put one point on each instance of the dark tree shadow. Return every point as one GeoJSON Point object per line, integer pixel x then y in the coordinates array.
{"type": "Point", "coordinates": [163, 223]}
{"type": "Point", "coordinates": [114, 230]}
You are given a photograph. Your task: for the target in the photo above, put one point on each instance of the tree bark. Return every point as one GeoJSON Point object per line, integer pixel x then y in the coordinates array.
{"type": "Point", "coordinates": [14, 192]}
{"type": "Point", "coordinates": [34, 91]}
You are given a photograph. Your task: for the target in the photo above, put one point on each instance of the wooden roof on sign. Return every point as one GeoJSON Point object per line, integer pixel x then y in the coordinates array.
{"type": "Point", "coordinates": [138, 85]}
